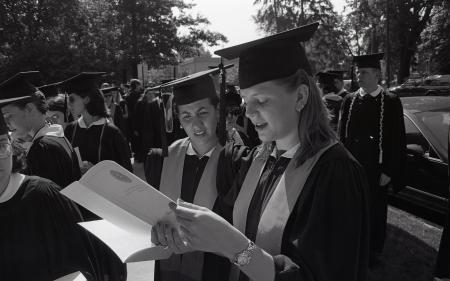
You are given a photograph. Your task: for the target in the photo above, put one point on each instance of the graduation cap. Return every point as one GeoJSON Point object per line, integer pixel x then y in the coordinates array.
{"type": "Point", "coordinates": [18, 87]}
{"type": "Point", "coordinates": [50, 90]}
{"type": "Point", "coordinates": [194, 87]}
{"type": "Point", "coordinates": [271, 57]}
{"type": "Point", "coordinates": [108, 90]}
{"type": "Point", "coordinates": [372, 60]}
{"type": "Point", "coordinates": [82, 83]}
{"type": "Point", "coordinates": [339, 73]}
{"type": "Point", "coordinates": [327, 78]}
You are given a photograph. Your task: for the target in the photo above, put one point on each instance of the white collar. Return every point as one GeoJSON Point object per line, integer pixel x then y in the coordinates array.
{"type": "Point", "coordinates": [190, 151]}
{"type": "Point", "coordinates": [332, 96]}
{"type": "Point", "coordinates": [373, 94]}
{"type": "Point", "coordinates": [288, 154]}
{"type": "Point", "coordinates": [83, 125]}
{"type": "Point", "coordinates": [15, 180]}
{"type": "Point", "coordinates": [50, 130]}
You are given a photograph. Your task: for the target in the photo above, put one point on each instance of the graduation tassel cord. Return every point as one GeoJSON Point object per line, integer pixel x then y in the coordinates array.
{"type": "Point", "coordinates": [380, 142]}
{"type": "Point", "coordinates": [100, 141]}
{"type": "Point", "coordinates": [349, 115]}
{"type": "Point", "coordinates": [162, 120]}
{"type": "Point", "coordinates": [222, 117]}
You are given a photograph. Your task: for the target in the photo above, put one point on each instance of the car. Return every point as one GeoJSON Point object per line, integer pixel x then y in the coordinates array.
{"type": "Point", "coordinates": [427, 121]}
{"type": "Point", "coordinates": [432, 85]}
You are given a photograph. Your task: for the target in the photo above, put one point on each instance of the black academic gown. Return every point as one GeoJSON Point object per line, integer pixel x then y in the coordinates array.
{"type": "Point", "coordinates": [343, 94]}
{"type": "Point", "coordinates": [151, 126]}
{"type": "Point", "coordinates": [40, 239]}
{"type": "Point", "coordinates": [48, 157]}
{"type": "Point", "coordinates": [362, 141]}
{"type": "Point", "coordinates": [113, 144]}
{"type": "Point", "coordinates": [326, 235]}
{"type": "Point", "coordinates": [214, 267]}
{"type": "Point", "coordinates": [132, 100]}
{"type": "Point", "coordinates": [333, 103]}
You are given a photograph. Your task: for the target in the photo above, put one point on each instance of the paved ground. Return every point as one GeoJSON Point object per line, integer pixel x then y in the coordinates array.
{"type": "Point", "coordinates": [411, 248]}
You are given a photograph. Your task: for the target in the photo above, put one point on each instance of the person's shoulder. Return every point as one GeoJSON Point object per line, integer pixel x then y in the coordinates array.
{"type": "Point", "coordinates": [348, 97]}
{"type": "Point", "coordinates": [391, 96]}
{"type": "Point", "coordinates": [39, 188]}
{"type": "Point", "coordinates": [338, 154]}
{"type": "Point", "coordinates": [176, 144]}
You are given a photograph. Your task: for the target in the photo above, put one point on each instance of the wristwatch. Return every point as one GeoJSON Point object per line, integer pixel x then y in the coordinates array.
{"type": "Point", "coordinates": [243, 257]}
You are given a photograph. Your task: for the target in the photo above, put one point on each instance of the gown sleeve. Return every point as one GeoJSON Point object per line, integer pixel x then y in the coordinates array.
{"type": "Point", "coordinates": [121, 149]}
{"type": "Point", "coordinates": [327, 236]}
{"type": "Point", "coordinates": [153, 167]}
{"type": "Point", "coordinates": [234, 162]}
{"type": "Point", "coordinates": [395, 151]}
{"type": "Point", "coordinates": [46, 161]}
{"type": "Point", "coordinates": [68, 248]}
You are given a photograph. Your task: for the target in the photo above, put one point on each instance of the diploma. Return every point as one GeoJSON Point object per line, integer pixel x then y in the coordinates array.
{"type": "Point", "coordinates": [128, 206]}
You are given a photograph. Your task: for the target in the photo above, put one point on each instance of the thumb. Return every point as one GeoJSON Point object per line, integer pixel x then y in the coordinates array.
{"type": "Point", "coordinates": [188, 205]}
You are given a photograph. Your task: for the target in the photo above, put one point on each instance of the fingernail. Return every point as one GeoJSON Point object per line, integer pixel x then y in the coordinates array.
{"type": "Point", "coordinates": [180, 201]}
{"type": "Point", "coordinates": [172, 205]}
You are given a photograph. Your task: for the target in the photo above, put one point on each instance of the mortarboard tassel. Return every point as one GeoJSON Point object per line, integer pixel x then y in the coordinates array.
{"type": "Point", "coordinates": [162, 120]}
{"type": "Point", "coordinates": [222, 117]}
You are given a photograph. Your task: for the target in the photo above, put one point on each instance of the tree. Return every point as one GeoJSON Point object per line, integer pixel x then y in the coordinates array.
{"type": "Point", "coordinates": [328, 48]}
{"type": "Point", "coordinates": [435, 40]}
{"type": "Point", "coordinates": [63, 37]}
{"type": "Point", "coordinates": [150, 31]}
{"type": "Point", "coordinates": [367, 25]}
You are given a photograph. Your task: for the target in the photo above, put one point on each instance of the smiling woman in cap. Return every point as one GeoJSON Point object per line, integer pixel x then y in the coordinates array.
{"type": "Point", "coordinates": [300, 212]}
{"type": "Point", "coordinates": [24, 107]}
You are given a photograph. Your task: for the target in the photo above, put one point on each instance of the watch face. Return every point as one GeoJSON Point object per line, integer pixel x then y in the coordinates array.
{"type": "Point", "coordinates": [243, 260]}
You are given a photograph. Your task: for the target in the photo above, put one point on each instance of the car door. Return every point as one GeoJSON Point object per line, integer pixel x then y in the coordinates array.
{"type": "Point", "coordinates": [426, 173]}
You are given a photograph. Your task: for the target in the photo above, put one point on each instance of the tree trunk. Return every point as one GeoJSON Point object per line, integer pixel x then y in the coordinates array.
{"type": "Point", "coordinates": [405, 60]}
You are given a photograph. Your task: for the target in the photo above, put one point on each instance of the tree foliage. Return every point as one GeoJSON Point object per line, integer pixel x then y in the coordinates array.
{"type": "Point", "coordinates": [366, 22]}
{"type": "Point", "coordinates": [63, 37]}
{"type": "Point", "coordinates": [436, 42]}
{"type": "Point", "coordinates": [328, 48]}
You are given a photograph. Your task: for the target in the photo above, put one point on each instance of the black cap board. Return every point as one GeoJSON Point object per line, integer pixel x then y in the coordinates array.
{"type": "Point", "coordinates": [326, 77]}
{"type": "Point", "coordinates": [271, 57]}
{"type": "Point", "coordinates": [194, 87]}
{"type": "Point", "coordinates": [19, 87]}
{"type": "Point", "coordinates": [50, 90]}
{"type": "Point", "coordinates": [339, 73]}
{"type": "Point", "coordinates": [372, 60]}
{"type": "Point", "coordinates": [80, 83]}
{"type": "Point", "coordinates": [109, 90]}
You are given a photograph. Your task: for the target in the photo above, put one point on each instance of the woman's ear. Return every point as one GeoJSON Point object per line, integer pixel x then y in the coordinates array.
{"type": "Point", "coordinates": [302, 97]}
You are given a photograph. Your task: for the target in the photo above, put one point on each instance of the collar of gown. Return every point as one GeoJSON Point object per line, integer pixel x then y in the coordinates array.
{"type": "Point", "coordinates": [190, 151]}
{"type": "Point", "coordinates": [15, 180]}
{"type": "Point", "coordinates": [83, 125]}
{"type": "Point", "coordinates": [50, 130]}
{"type": "Point", "coordinates": [288, 154]}
{"type": "Point", "coordinates": [375, 93]}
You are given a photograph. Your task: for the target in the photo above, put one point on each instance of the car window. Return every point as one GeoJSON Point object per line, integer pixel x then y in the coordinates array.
{"type": "Point", "coordinates": [414, 136]}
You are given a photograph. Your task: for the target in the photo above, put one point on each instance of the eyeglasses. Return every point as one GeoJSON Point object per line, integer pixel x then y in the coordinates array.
{"type": "Point", "coordinates": [5, 150]}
